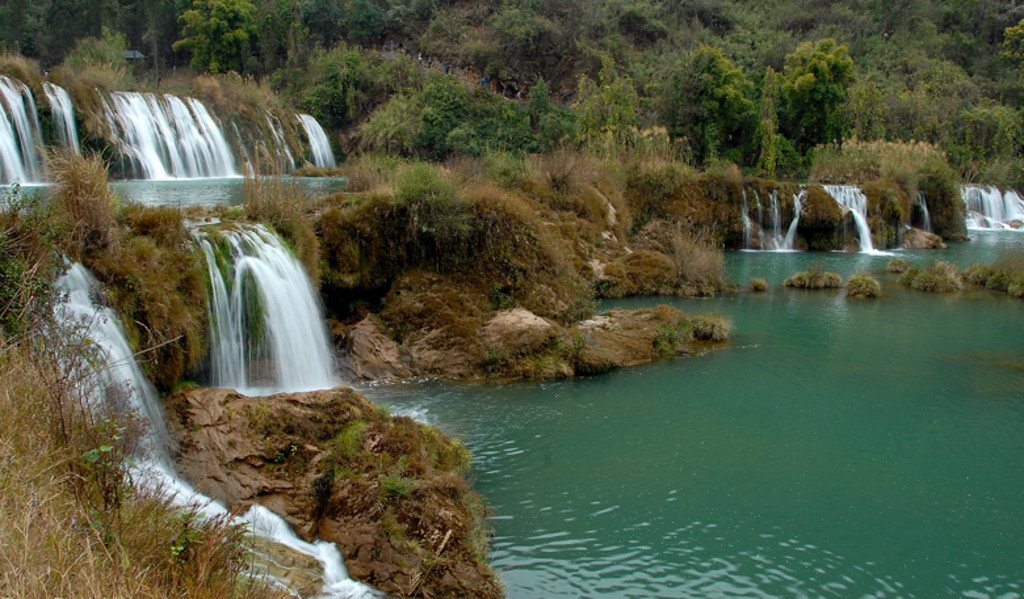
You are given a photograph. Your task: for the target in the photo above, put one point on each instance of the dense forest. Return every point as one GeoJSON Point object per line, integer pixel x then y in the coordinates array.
{"type": "Point", "coordinates": [760, 84]}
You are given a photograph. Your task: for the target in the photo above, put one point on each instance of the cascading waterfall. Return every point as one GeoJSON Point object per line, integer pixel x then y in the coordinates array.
{"type": "Point", "coordinates": [63, 115]}
{"type": "Point", "coordinates": [853, 199]}
{"type": "Point", "coordinates": [988, 208]}
{"type": "Point", "coordinates": [319, 145]}
{"type": "Point", "coordinates": [118, 370]}
{"type": "Point", "coordinates": [748, 225]}
{"type": "Point", "coordinates": [283, 154]}
{"type": "Point", "coordinates": [266, 330]}
{"type": "Point", "coordinates": [927, 224]}
{"type": "Point", "coordinates": [166, 137]}
{"type": "Point", "coordinates": [790, 240]}
{"type": "Point", "coordinates": [20, 136]}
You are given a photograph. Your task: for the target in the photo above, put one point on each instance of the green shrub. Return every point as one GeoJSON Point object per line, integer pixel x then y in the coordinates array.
{"type": "Point", "coordinates": [863, 286]}
{"type": "Point", "coordinates": [978, 274]}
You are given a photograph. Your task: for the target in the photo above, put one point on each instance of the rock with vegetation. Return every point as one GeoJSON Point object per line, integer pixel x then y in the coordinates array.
{"type": "Point", "coordinates": [1005, 274]}
{"type": "Point", "coordinates": [391, 493]}
{"type": "Point", "coordinates": [820, 219]}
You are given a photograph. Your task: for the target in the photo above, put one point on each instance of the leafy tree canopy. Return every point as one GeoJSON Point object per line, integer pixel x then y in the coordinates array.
{"type": "Point", "coordinates": [815, 84]}
{"type": "Point", "coordinates": [217, 33]}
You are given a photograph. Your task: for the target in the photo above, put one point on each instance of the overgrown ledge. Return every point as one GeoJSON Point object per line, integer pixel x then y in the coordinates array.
{"type": "Point", "coordinates": [390, 492]}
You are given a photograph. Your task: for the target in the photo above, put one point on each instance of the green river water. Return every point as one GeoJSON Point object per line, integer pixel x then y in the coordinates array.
{"type": "Point", "coordinates": [835, 448]}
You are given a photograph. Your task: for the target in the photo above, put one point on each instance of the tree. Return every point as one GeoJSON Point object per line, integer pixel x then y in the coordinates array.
{"type": "Point", "coordinates": [607, 108]}
{"type": "Point", "coordinates": [1013, 44]}
{"type": "Point", "coordinates": [768, 138]}
{"type": "Point", "coordinates": [217, 33]}
{"type": "Point", "coordinates": [706, 102]}
{"type": "Point", "coordinates": [817, 77]}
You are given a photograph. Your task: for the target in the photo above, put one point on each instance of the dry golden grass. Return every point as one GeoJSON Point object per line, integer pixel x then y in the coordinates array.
{"type": "Point", "coordinates": [19, 67]}
{"type": "Point", "coordinates": [82, 202]}
{"type": "Point", "coordinates": [74, 528]}
{"type": "Point", "coordinates": [866, 160]}
{"type": "Point", "coordinates": [284, 206]}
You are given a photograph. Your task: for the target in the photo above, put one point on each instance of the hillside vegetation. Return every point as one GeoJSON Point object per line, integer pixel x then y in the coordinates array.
{"type": "Point", "coordinates": [761, 84]}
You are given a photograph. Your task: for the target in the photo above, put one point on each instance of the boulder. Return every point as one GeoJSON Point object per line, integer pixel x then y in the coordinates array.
{"type": "Point", "coordinates": [917, 239]}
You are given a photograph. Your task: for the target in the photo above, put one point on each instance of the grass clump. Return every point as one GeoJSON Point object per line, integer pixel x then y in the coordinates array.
{"type": "Point", "coordinates": [897, 265]}
{"type": "Point", "coordinates": [1005, 274]}
{"type": "Point", "coordinates": [940, 277]}
{"type": "Point", "coordinates": [814, 278]}
{"type": "Point", "coordinates": [758, 284]}
{"type": "Point", "coordinates": [283, 205]}
{"type": "Point", "coordinates": [863, 285]}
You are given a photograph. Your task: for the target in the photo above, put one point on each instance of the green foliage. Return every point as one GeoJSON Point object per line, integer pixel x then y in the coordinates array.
{"type": "Point", "coordinates": [607, 109]}
{"type": "Point", "coordinates": [217, 33]}
{"type": "Point", "coordinates": [768, 140]}
{"type": "Point", "coordinates": [1013, 44]}
{"type": "Point", "coordinates": [815, 85]}
{"type": "Point", "coordinates": [706, 103]}
{"type": "Point", "coordinates": [897, 265]}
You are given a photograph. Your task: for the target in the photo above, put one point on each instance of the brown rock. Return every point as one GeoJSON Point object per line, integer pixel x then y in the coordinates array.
{"type": "Point", "coordinates": [399, 495]}
{"type": "Point", "coordinates": [916, 239]}
{"type": "Point", "coordinates": [370, 355]}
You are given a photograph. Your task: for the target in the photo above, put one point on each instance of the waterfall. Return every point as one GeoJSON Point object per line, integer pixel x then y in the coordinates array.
{"type": "Point", "coordinates": [853, 199]}
{"type": "Point", "coordinates": [20, 137]}
{"type": "Point", "coordinates": [266, 330]}
{"type": "Point", "coordinates": [988, 208]}
{"type": "Point", "coordinates": [285, 160]}
{"type": "Point", "coordinates": [927, 224]}
{"type": "Point", "coordinates": [165, 137]}
{"type": "Point", "coordinates": [748, 226]}
{"type": "Point", "coordinates": [63, 115]}
{"type": "Point", "coordinates": [790, 240]}
{"type": "Point", "coordinates": [320, 146]}
{"type": "Point", "coordinates": [118, 370]}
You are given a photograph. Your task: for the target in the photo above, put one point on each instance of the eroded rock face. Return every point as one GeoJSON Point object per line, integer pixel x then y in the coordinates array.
{"type": "Point", "coordinates": [368, 354]}
{"type": "Point", "coordinates": [917, 239]}
{"type": "Point", "coordinates": [388, 491]}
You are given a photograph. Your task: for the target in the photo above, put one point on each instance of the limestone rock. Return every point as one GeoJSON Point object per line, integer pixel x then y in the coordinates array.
{"type": "Point", "coordinates": [369, 355]}
{"type": "Point", "coordinates": [917, 239]}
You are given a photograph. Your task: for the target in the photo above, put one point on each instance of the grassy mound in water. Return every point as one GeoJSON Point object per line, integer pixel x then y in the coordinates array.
{"type": "Point", "coordinates": [1005, 274]}
{"type": "Point", "coordinates": [814, 278]}
{"type": "Point", "coordinates": [864, 286]}
{"type": "Point", "coordinates": [940, 277]}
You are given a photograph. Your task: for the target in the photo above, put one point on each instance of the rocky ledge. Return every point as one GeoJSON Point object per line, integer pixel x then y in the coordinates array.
{"type": "Point", "coordinates": [388, 491]}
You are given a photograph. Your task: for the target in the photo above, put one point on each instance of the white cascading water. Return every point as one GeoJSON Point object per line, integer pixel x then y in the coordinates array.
{"type": "Point", "coordinates": [266, 330]}
{"type": "Point", "coordinates": [165, 137]}
{"type": "Point", "coordinates": [118, 369]}
{"type": "Point", "coordinates": [853, 199]}
{"type": "Point", "coordinates": [320, 146]}
{"type": "Point", "coordinates": [748, 225]}
{"type": "Point", "coordinates": [927, 224]}
{"type": "Point", "coordinates": [282, 153]}
{"type": "Point", "coordinates": [790, 240]}
{"type": "Point", "coordinates": [63, 112]}
{"type": "Point", "coordinates": [20, 136]}
{"type": "Point", "coordinates": [988, 208]}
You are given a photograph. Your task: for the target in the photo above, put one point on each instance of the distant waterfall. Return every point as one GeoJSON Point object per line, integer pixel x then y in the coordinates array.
{"type": "Point", "coordinates": [790, 241]}
{"type": "Point", "coordinates": [748, 225]}
{"type": "Point", "coordinates": [856, 202]}
{"type": "Point", "coordinates": [63, 115]}
{"type": "Point", "coordinates": [925, 216]}
{"type": "Point", "coordinates": [167, 137]}
{"type": "Point", "coordinates": [988, 208]}
{"type": "Point", "coordinates": [319, 145]}
{"type": "Point", "coordinates": [20, 137]}
{"type": "Point", "coordinates": [266, 329]}
{"type": "Point", "coordinates": [117, 369]}
{"type": "Point", "coordinates": [281, 153]}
